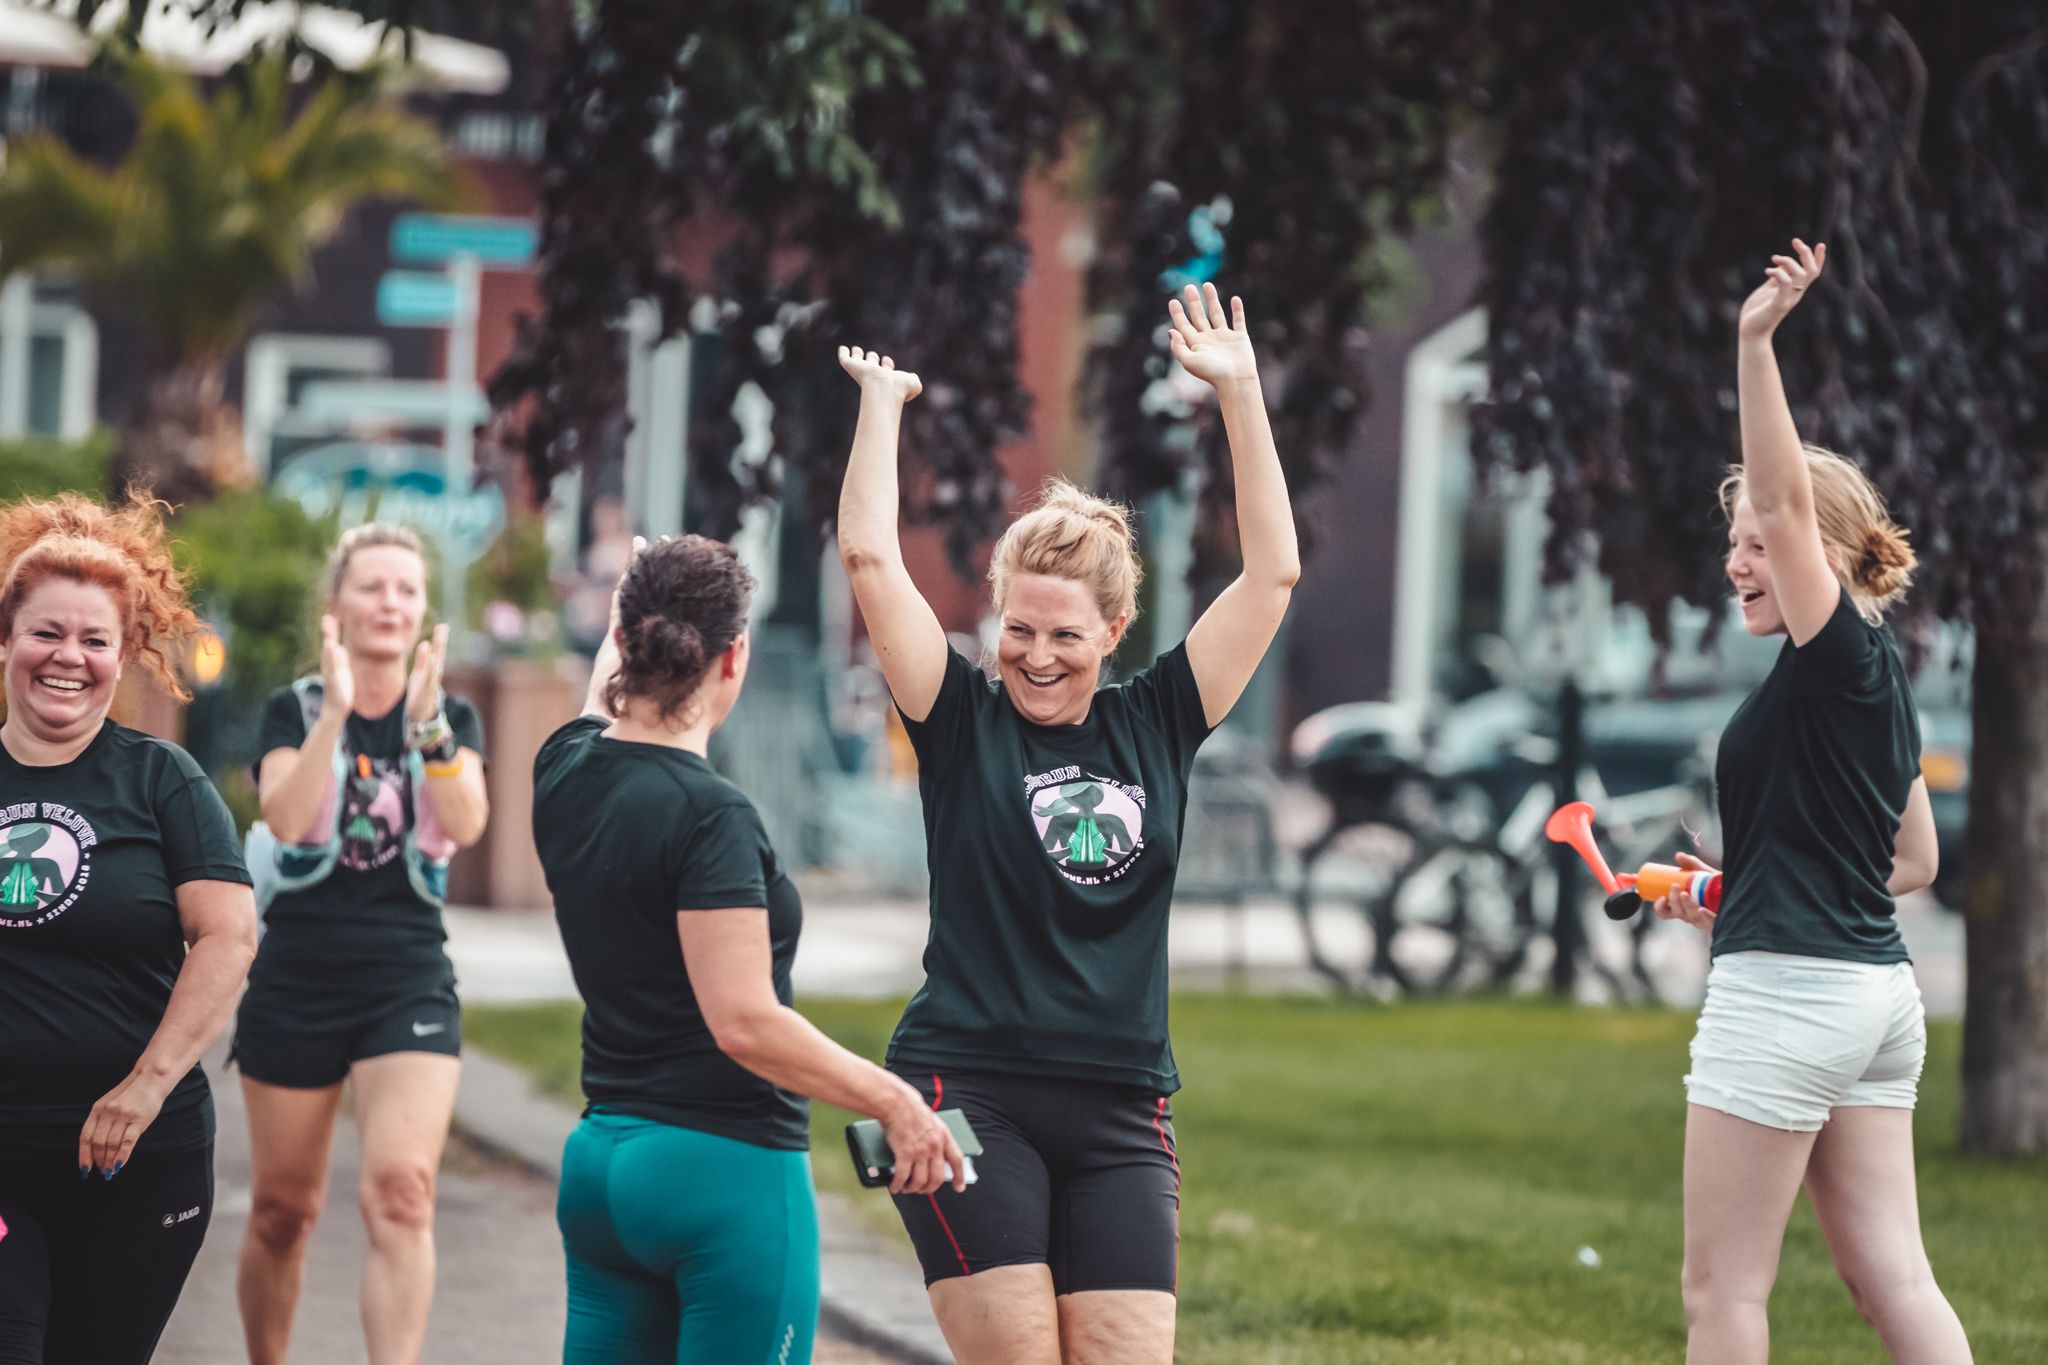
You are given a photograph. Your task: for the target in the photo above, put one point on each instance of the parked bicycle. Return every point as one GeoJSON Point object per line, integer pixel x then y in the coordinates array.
{"type": "Point", "coordinates": [1455, 896]}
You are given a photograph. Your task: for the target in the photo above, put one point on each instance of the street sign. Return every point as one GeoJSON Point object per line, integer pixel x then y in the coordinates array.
{"type": "Point", "coordinates": [416, 298]}
{"type": "Point", "coordinates": [400, 483]}
{"type": "Point", "coordinates": [416, 402]}
{"type": "Point", "coordinates": [496, 243]}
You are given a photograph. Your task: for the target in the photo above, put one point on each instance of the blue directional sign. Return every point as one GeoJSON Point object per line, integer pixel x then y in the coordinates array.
{"type": "Point", "coordinates": [497, 243]}
{"type": "Point", "coordinates": [415, 298]}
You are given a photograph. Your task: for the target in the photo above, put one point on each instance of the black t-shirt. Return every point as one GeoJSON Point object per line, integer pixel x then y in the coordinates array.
{"type": "Point", "coordinates": [91, 855]}
{"type": "Point", "coordinates": [1052, 851]}
{"type": "Point", "coordinates": [365, 916]}
{"type": "Point", "coordinates": [1813, 772]}
{"type": "Point", "coordinates": [630, 834]}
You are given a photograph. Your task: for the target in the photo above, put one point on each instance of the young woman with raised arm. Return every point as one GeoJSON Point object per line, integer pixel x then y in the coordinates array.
{"type": "Point", "coordinates": [1053, 811]}
{"type": "Point", "coordinates": [1807, 1059]}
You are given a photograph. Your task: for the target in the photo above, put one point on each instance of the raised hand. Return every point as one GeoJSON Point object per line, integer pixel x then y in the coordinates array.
{"type": "Point", "coordinates": [878, 374]}
{"type": "Point", "coordinates": [1207, 345]}
{"type": "Point", "coordinates": [337, 677]}
{"type": "Point", "coordinates": [1784, 285]}
{"type": "Point", "coordinates": [423, 688]}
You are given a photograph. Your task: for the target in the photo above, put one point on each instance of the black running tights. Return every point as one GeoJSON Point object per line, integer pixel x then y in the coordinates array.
{"type": "Point", "coordinates": [90, 1268]}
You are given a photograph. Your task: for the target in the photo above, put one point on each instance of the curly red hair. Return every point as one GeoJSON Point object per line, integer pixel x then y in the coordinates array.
{"type": "Point", "coordinates": [122, 550]}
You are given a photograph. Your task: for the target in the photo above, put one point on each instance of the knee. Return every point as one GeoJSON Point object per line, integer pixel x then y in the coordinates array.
{"type": "Point", "coordinates": [1879, 1295]}
{"type": "Point", "coordinates": [1709, 1293]}
{"type": "Point", "coordinates": [399, 1197]}
{"type": "Point", "coordinates": [281, 1221]}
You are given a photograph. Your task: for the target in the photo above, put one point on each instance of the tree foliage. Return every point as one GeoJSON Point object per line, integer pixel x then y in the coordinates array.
{"type": "Point", "coordinates": [868, 171]}
{"type": "Point", "coordinates": [219, 203]}
{"type": "Point", "coordinates": [215, 208]}
{"type": "Point", "coordinates": [1310, 129]}
{"type": "Point", "coordinates": [1654, 155]}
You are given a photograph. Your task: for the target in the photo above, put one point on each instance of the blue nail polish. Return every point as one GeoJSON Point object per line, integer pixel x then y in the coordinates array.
{"type": "Point", "coordinates": [84, 1171]}
{"type": "Point", "coordinates": [106, 1175]}
{"type": "Point", "coordinates": [117, 1169]}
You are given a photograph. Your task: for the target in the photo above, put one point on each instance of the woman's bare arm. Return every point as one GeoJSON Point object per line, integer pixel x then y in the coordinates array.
{"type": "Point", "coordinates": [606, 666]}
{"type": "Point", "coordinates": [291, 783]}
{"type": "Point", "coordinates": [728, 958]}
{"type": "Point", "coordinates": [460, 801]}
{"type": "Point", "coordinates": [1779, 488]}
{"type": "Point", "coordinates": [1916, 849]}
{"type": "Point", "coordinates": [219, 920]}
{"type": "Point", "coordinates": [1226, 645]}
{"type": "Point", "coordinates": [909, 642]}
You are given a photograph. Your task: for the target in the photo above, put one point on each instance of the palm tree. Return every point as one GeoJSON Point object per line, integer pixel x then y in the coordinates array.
{"type": "Point", "coordinates": [216, 207]}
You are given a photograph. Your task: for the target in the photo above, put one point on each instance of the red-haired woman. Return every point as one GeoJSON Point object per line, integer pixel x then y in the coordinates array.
{"type": "Point", "coordinates": [128, 926]}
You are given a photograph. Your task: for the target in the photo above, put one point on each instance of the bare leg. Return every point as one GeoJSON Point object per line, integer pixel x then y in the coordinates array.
{"type": "Point", "coordinates": [1740, 1181]}
{"type": "Point", "coordinates": [403, 1103]}
{"type": "Point", "coordinates": [1004, 1316]}
{"type": "Point", "coordinates": [1117, 1327]}
{"type": "Point", "coordinates": [291, 1138]}
{"type": "Point", "coordinates": [1862, 1187]}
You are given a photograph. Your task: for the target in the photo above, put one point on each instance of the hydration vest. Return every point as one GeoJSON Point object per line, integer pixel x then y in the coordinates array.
{"type": "Point", "coordinates": [428, 846]}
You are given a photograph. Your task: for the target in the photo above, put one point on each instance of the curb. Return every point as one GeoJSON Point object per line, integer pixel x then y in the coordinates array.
{"type": "Point", "coordinates": [868, 1296]}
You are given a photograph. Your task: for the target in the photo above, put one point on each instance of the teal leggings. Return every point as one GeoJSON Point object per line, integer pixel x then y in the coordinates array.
{"type": "Point", "coordinates": [686, 1248]}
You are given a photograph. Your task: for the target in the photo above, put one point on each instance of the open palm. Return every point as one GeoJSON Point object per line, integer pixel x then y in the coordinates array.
{"type": "Point", "coordinates": [1785, 284]}
{"type": "Point", "coordinates": [874, 371]}
{"type": "Point", "coordinates": [1207, 344]}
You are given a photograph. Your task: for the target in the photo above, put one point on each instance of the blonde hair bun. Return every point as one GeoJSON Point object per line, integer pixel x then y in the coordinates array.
{"type": "Point", "coordinates": [1885, 567]}
{"type": "Point", "coordinates": [1072, 534]}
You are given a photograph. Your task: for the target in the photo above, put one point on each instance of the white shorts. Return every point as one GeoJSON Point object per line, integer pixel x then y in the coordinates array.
{"type": "Point", "coordinates": [1782, 1040]}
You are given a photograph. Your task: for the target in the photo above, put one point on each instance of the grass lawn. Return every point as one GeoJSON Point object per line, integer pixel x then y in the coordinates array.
{"type": "Point", "coordinates": [1414, 1183]}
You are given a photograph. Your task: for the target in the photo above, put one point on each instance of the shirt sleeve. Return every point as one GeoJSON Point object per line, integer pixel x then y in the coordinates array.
{"type": "Point", "coordinates": [468, 727]}
{"type": "Point", "coordinates": [1167, 697]}
{"type": "Point", "coordinates": [284, 724]}
{"type": "Point", "coordinates": [198, 833]}
{"type": "Point", "coordinates": [943, 736]}
{"type": "Point", "coordinates": [1840, 656]}
{"type": "Point", "coordinates": [725, 863]}
{"type": "Point", "coordinates": [552, 748]}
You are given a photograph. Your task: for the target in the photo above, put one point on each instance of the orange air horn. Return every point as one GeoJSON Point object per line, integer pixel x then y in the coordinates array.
{"type": "Point", "coordinates": [1573, 824]}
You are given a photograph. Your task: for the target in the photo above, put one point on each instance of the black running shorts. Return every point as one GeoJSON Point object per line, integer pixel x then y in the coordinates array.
{"type": "Point", "coordinates": [306, 1040]}
{"type": "Point", "coordinates": [1078, 1176]}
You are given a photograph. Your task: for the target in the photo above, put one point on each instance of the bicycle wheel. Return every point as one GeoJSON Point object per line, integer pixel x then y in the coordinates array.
{"type": "Point", "coordinates": [1459, 915]}
{"type": "Point", "coordinates": [1343, 874]}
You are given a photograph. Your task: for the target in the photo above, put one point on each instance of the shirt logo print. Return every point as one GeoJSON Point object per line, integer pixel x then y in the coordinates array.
{"type": "Point", "coordinates": [45, 862]}
{"type": "Point", "coordinates": [1093, 828]}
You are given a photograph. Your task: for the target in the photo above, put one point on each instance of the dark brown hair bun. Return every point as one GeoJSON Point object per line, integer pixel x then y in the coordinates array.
{"type": "Point", "coordinates": [681, 605]}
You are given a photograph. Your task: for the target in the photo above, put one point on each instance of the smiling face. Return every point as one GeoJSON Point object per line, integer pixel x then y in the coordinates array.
{"type": "Point", "coordinates": [63, 659]}
{"type": "Point", "coordinates": [1052, 646]}
{"type": "Point", "coordinates": [1750, 572]}
{"type": "Point", "coordinates": [382, 602]}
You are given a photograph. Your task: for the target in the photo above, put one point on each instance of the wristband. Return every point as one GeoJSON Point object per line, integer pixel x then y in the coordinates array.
{"type": "Point", "coordinates": [452, 768]}
{"type": "Point", "coordinates": [434, 738]}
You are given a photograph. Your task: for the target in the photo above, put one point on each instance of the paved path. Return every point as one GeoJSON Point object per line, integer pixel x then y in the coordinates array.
{"type": "Point", "coordinates": [500, 1299]}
